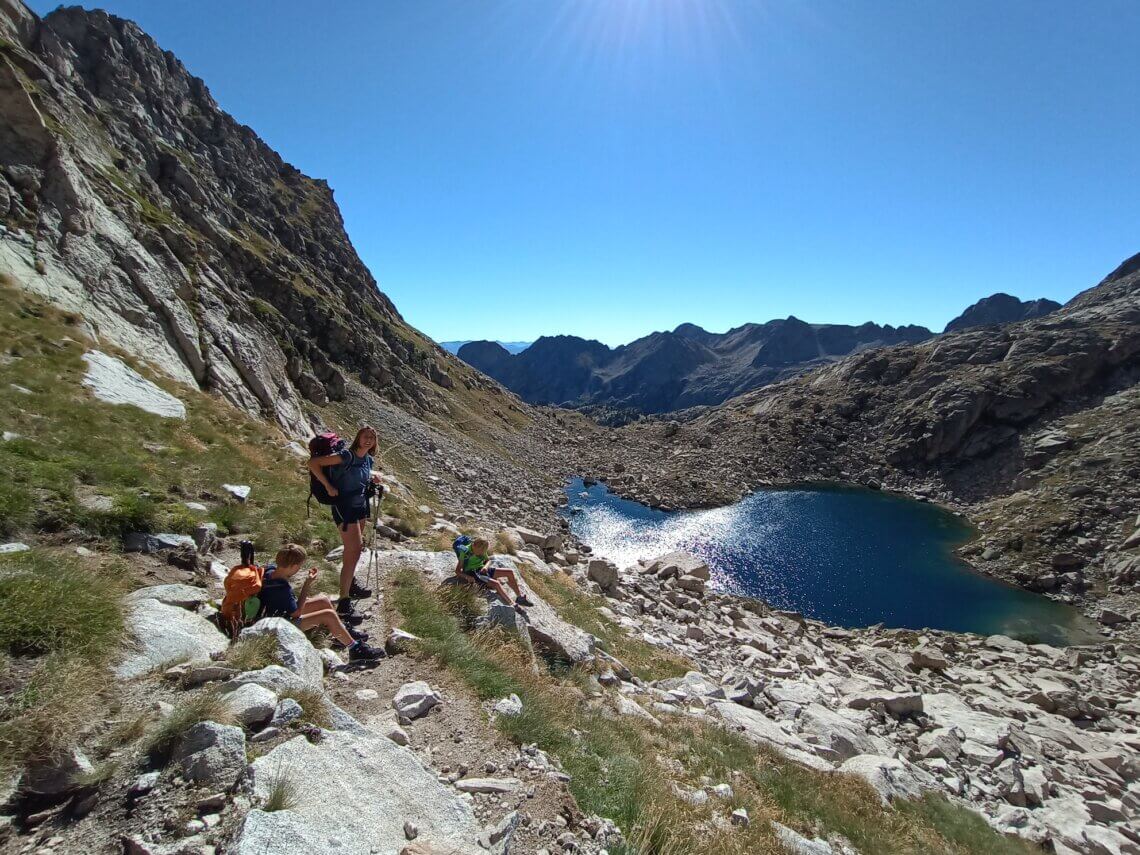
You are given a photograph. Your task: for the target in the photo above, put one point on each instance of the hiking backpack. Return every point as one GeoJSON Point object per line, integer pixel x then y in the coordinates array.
{"type": "Point", "coordinates": [461, 544]}
{"type": "Point", "coordinates": [241, 603]}
{"type": "Point", "coordinates": [322, 445]}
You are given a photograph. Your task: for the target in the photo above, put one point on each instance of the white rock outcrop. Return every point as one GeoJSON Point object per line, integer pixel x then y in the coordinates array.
{"type": "Point", "coordinates": [115, 382]}
{"type": "Point", "coordinates": [369, 787]}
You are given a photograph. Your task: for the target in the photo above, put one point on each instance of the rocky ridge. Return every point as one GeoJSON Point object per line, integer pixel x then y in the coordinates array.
{"type": "Point", "coordinates": [999, 309]}
{"type": "Point", "coordinates": [668, 371]}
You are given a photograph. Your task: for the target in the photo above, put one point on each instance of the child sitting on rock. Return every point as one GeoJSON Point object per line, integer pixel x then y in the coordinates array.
{"type": "Point", "coordinates": [475, 563]}
{"type": "Point", "coordinates": [307, 612]}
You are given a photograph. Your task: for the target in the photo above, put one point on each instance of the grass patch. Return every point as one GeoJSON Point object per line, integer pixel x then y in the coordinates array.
{"type": "Point", "coordinates": [53, 605]}
{"type": "Point", "coordinates": [148, 465]}
{"type": "Point", "coordinates": [60, 624]}
{"type": "Point", "coordinates": [207, 705]}
{"type": "Point", "coordinates": [253, 653]}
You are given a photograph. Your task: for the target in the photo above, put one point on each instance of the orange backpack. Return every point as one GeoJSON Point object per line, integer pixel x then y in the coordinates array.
{"type": "Point", "coordinates": [243, 583]}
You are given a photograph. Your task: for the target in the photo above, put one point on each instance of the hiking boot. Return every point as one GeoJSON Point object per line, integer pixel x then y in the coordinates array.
{"type": "Point", "coordinates": [357, 635]}
{"type": "Point", "coordinates": [347, 613]}
{"type": "Point", "coordinates": [361, 652]}
{"type": "Point", "coordinates": [523, 600]}
{"type": "Point", "coordinates": [358, 591]}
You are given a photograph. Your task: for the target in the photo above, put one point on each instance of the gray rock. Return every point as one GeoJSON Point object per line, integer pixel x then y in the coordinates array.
{"type": "Point", "coordinates": [369, 787]}
{"type": "Point", "coordinates": [796, 844]}
{"type": "Point", "coordinates": [286, 711]}
{"type": "Point", "coordinates": [511, 706]}
{"type": "Point", "coordinates": [251, 704]}
{"type": "Point", "coordinates": [183, 596]}
{"type": "Point", "coordinates": [142, 785]}
{"type": "Point", "coordinates": [929, 657]}
{"type": "Point", "coordinates": [276, 678]}
{"type": "Point", "coordinates": [604, 572]}
{"type": "Point", "coordinates": [897, 704]}
{"type": "Point", "coordinates": [293, 649]}
{"type": "Point", "coordinates": [56, 775]}
{"type": "Point", "coordinates": [488, 785]}
{"type": "Point", "coordinates": [138, 541]}
{"type": "Point", "coordinates": [165, 634]}
{"type": "Point", "coordinates": [890, 777]}
{"type": "Point", "coordinates": [212, 753]}
{"type": "Point", "coordinates": [412, 700]}
{"type": "Point", "coordinates": [10, 548]}
{"type": "Point", "coordinates": [399, 641]}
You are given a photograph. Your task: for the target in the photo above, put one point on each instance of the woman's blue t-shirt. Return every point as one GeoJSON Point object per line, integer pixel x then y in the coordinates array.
{"type": "Point", "coordinates": [351, 479]}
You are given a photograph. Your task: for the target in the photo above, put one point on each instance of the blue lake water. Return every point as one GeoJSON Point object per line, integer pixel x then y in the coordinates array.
{"type": "Point", "coordinates": [850, 557]}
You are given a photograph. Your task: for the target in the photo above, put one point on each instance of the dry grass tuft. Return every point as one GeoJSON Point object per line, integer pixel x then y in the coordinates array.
{"type": "Point", "coordinates": [208, 705]}
{"type": "Point", "coordinates": [253, 653]}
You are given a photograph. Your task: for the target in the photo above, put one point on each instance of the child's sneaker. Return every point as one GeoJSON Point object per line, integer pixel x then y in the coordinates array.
{"type": "Point", "coordinates": [361, 652]}
{"type": "Point", "coordinates": [523, 600]}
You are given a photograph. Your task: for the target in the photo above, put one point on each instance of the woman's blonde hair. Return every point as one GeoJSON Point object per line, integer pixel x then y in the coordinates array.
{"type": "Point", "coordinates": [375, 450]}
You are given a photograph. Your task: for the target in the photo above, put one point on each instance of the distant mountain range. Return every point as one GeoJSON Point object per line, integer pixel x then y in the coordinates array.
{"type": "Point", "coordinates": [1001, 309]}
{"type": "Point", "coordinates": [667, 371]}
{"type": "Point", "coordinates": [508, 346]}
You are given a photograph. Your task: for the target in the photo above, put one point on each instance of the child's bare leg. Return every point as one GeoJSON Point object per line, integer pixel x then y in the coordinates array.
{"type": "Point", "coordinates": [511, 580]}
{"type": "Point", "coordinates": [328, 619]}
{"type": "Point", "coordinates": [498, 589]}
{"type": "Point", "coordinates": [320, 601]}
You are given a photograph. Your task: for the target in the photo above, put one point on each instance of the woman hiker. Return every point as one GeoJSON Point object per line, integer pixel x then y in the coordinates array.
{"type": "Point", "coordinates": [349, 485]}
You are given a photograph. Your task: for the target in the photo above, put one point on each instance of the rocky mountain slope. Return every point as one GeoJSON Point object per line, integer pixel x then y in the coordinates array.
{"type": "Point", "coordinates": [1032, 428]}
{"type": "Point", "coordinates": [129, 196]}
{"type": "Point", "coordinates": [1001, 309]}
{"type": "Point", "coordinates": [668, 371]}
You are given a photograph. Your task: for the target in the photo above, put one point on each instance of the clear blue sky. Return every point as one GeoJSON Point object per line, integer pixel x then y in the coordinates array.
{"type": "Point", "coordinates": [511, 168]}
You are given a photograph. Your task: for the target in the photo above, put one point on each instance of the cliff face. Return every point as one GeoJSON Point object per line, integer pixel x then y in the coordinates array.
{"type": "Point", "coordinates": [130, 197]}
{"type": "Point", "coordinates": [667, 371]}
{"type": "Point", "coordinates": [1001, 309]}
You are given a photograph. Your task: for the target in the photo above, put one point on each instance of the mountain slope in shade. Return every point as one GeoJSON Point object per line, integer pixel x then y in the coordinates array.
{"type": "Point", "coordinates": [509, 346]}
{"type": "Point", "coordinates": [1001, 309]}
{"type": "Point", "coordinates": [687, 367]}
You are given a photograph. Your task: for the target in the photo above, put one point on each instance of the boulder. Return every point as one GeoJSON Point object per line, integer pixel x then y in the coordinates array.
{"type": "Point", "coordinates": [294, 650]}
{"type": "Point", "coordinates": [845, 737]}
{"type": "Point", "coordinates": [369, 788]}
{"type": "Point", "coordinates": [163, 634]}
{"type": "Point", "coordinates": [679, 564]}
{"type": "Point", "coordinates": [413, 700]}
{"type": "Point", "coordinates": [944, 742]}
{"type": "Point", "coordinates": [890, 777]}
{"type": "Point", "coordinates": [251, 704]}
{"type": "Point", "coordinates": [926, 656]}
{"type": "Point", "coordinates": [756, 727]}
{"type": "Point", "coordinates": [795, 843]}
{"type": "Point", "coordinates": [604, 572]}
{"type": "Point", "coordinates": [212, 753]}
{"type": "Point", "coordinates": [57, 774]}
{"type": "Point", "coordinates": [138, 541]}
{"type": "Point", "coordinates": [898, 704]}
{"type": "Point", "coordinates": [183, 596]}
